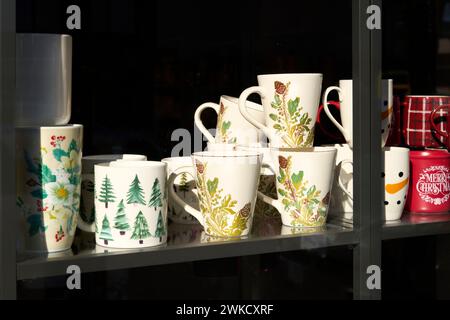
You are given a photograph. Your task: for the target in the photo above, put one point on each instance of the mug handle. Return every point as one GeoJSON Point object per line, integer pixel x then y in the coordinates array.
{"type": "Point", "coordinates": [269, 200]}
{"type": "Point", "coordinates": [243, 109]}
{"type": "Point", "coordinates": [433, 117]}
{"type": "Point", "coordinates": [335, 104]}
{"type": "Point", "coordinates": [198, 120]}
{"type": "Point", "coordinates": [195, 213]}
{"type": "Point", "coordinates": [347, 136]}
{"type": "Point", "coordinates": [341, 184]}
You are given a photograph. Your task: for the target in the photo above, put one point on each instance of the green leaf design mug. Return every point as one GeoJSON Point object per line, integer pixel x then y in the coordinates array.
{"type": "Point", "coordinates": [226, 190]}
{"type": "Point", "coordinates": [304, 181]}
{"type": "Point", "coordinates": [290, 102]}
{"type": "Point", "coordinates": [232, 127]}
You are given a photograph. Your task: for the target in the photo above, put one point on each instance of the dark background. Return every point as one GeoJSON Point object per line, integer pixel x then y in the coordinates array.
{"type": "Point", "coordinates": [141, 68]}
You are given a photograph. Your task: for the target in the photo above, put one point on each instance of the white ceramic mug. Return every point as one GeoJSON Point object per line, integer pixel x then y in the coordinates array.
{"type": "Point", "coordinates": [396, 181]}
{"type": "Point", "coordinates": [220, 147]}
{"type": "Point", "coordinates": [43, 79]}
{"type": "Point", "coordinates": [130, 204]}
{"type": "Point", "coordinates": [342, 194]}
{"type": "Point", "coordinates": [267, 183]}
{"type": "Point", "coordinates": [184, 187]}
{"type": "Point", "coordinates": [345, 91]}
{"type": "Point", "coordinates": [304, 181]}
{"type": "Point", "coordinates": [48, 185]}
{"type": "Point", "coordinates": [231, 127]}
{"type": "Point", "coordinates": [226, 188]}
{"type": "Point", "coordinates": [395, 175]}
{"type": "Point", "coordinates": [290, 102]}
{"type": "Point", "coordinates": [86, 217]}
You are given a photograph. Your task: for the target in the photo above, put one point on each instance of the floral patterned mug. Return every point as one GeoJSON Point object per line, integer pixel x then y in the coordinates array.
{"type": "Point", "coordinates": [48, 185]}
{"type": "Point", "coordinates": [226, 188]}
{"type": "Point", "coordinates": [290, 102]}
{"type": "Point", "coordinates": [304, 180]}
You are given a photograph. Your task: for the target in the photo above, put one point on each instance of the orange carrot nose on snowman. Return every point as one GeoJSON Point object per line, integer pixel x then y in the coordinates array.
{"type": "Point", "coordinates": [387, 113]}
{"type": "Point", "coordinates": [395, 188]}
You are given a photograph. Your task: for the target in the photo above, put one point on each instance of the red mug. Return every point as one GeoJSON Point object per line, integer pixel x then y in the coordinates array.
{"type": "Point", "coordinates": [439, 126]}
{"type": "Point", "coordinates": [429, 190]}
{"type": "Point", "coordinates": [417, 128]}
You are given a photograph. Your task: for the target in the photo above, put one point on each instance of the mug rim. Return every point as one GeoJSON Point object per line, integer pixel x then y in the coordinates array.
{"type": "Point", "coordinates": [426, 96]}
{"type": "Point", "coordinates": [43, 34]}
{"type": "Point", "coordinates": [134, 164]}
{"type": "Point", "coordinates": [430, 154]}
{"type": "Point", "coordinates": [396, 150]}
{"type": "Point", "coordinates": [226, 154]}
{"type": "Point", "coordinates": [109, 157]}
{"type": "Point", "coordinates": [248, 104]}
{"type": "Point", "coordinates": [55, 127]}
{"type": "Point", "coordinates": [175, 159]}
{"type": "Point", "coordinates": [271, 75]}
{"type": "Point", "coordinates": [252, 149]}
{"type": "Point", "coordinates": [305, 150]}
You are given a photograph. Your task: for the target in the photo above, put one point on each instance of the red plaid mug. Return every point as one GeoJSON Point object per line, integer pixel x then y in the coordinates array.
{"type": "Point", "coordinates": [438, 125]}
{"type": "Point", "coordinates": [417, 127]}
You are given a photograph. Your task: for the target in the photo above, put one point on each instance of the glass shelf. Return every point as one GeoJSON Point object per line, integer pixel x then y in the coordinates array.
{"type": "Point", "coordinates": [185, 243]}
{"type": "Point", "coordinates": [416, 226]}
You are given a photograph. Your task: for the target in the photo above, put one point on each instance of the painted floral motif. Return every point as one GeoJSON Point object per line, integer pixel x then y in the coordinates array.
{"type": "Point", "coordinates": [57, 192]}
{"type": "Point", "coordinates": [292, 125]}
{"type": "Point", "coordinates": [299, 198]}
{"type": "Point", "coordinates": [223, 127]}
{"type": "Point", "coordinates": [217, 208]}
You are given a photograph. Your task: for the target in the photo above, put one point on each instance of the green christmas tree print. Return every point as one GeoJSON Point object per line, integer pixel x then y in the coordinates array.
{"type": "Point", "coordinates": [106, 235]}
{"type": "Point", "coordinates": [136, 193]}
{"type": "Point", "coordinates": [155, 200]}
{"type": "Point", "coordinates": [106, 192]}
{"type": "Point", "coordinates": [160, 227]}
{"type": "Point", "coordinates": [140, 228]}
{"type": "Point", "coordinates": [184, 183]}
{"type": "Point", "coordinates": [120, 220]}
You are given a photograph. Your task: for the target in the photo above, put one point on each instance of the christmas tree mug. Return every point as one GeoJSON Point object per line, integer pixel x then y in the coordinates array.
{"type": "Point", "coordinates": [86, 217]}
{"type": "Point", "coordinates": [130, 204]}
{"type": "Point", "coordinates": [48, 175]}
{"type": "Point", "coordinates": [290, 102]}
{"type": "Point", "coordinates": [184, 187]}
{"type": "Point", "coordinates": [226, 187]}
{"type": "Point", "coordinates": [304, 180]}
{"type": "Point", "coordinates": [231, 126]}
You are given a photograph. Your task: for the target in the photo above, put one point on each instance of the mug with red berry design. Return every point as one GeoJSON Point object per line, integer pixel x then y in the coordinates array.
{"type": "Point", "coordinates": [290, 102]}
{"type": "Point", "coordinates": [304, 180]}
{"type": "Point", "coordinates": [48, 180]}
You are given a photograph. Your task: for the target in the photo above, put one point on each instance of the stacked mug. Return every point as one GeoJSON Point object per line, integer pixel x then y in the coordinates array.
{"type": "Point", "coordinates": [48, 149]}
{"type": "Point", "coordinates": [425, 132]}
{"type": "Point", "coordinates": [238, 167]}
{"type": "Point", "coordinates": [395, 161]}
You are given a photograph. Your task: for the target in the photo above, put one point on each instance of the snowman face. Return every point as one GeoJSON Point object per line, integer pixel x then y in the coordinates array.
{"type": "Point", "coordinates": [396, 182]}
